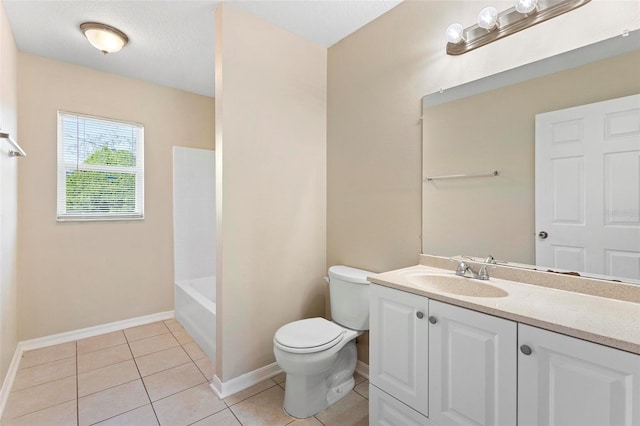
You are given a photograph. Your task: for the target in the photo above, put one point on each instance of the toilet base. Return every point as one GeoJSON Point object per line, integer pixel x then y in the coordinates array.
{"type": "Point", "coordinates": [306, 395]}
{"type": "Point", "coordinates": [301, 405]}
{"type": "Point", "coordinates": [339, 392]}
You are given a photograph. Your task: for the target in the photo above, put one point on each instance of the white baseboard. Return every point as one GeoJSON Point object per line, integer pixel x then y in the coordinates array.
{"type": "Point", "coordinates": [69, 336]}
{"type": "Point", "coordinates": [240, 383]}
{"type": "Point", "coordinates": [83, 333]}
{"type": "Point", "coordinates": [7, 384]}
{"type": "Point", "coordinates": [362, 369]}
{"type": "Point", "coordinates": [230, 387]}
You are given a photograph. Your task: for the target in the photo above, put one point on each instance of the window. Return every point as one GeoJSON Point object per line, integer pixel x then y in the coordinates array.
{"type": "Point", "coordinates": [100, 168]}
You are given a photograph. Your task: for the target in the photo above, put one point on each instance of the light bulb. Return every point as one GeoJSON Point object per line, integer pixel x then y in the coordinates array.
{"type": "Point", "coordinates": [526, 6]}
{"type": "Point", "coordinates": [488, 18]}
{"type": "Point", "coordinates": [455, 34]}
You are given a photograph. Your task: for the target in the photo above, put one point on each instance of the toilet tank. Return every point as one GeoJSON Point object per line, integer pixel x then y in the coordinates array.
{"type": "Point", "coordinates": [349, 295]}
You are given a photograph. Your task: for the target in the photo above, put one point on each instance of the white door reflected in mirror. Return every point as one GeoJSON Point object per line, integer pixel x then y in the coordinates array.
{"type": "Point", "coordinates": [590, 149]}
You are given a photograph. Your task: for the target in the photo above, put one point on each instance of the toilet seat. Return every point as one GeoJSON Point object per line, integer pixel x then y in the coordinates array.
{"type": "Point", "coordinates": [308, 336]}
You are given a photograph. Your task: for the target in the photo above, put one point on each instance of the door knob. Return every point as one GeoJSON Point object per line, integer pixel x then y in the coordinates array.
{"type": "Point", "coordinates": [433, 319]}
{"type": "Point", "coordinates": [543, 234]}
{"type": "Point", "coordinates": [420, 315]}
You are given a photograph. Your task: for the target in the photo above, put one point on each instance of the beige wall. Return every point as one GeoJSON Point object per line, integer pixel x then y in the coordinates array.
{"type": "Point", "coordinates": [496, 130]}
{"type": "Point", "coordinates": [271, 186]}
{"type": "Point", "coordinates": [377, 77]}
{"type": "Point", "coordinates": [8, 198]}
{"type": "Point", "coordinates": [81, 274]}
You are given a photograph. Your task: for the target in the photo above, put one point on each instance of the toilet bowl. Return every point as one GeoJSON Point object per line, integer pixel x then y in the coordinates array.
{"type": "Point", "coordinates": [319, 356]}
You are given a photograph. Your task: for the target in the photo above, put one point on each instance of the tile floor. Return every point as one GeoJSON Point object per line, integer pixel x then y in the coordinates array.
{"type": "Point", "coordinates": [154, 374]}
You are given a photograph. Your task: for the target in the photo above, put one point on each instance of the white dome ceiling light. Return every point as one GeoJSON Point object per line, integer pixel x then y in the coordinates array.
{"type": "Point", "coordinates": [105, 38]}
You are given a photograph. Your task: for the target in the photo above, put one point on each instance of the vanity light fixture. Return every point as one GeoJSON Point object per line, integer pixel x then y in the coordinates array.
{"type": "Point", "coordinates": [493, 25]}
{"type": "Point", "coordinates": [105, 38]}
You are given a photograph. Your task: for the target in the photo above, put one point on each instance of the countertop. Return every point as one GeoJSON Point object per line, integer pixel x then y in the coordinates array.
{"type": "Point", "coordinates": [610, 321]}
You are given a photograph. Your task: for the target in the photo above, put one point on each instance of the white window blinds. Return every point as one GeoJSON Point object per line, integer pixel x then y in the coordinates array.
{"type": "Point", "coordinates": [100, 168]}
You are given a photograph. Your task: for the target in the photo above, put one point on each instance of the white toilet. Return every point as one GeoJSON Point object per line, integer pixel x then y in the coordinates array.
{"type": "Point", "coordinates": [319, 356]}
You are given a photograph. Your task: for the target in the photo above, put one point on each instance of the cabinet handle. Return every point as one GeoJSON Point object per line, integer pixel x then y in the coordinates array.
{"type": "Point", "coordinates": [433, 319]}
{"type": "Point", "coordinates": [526, 349]}
{"type": "Point", "coordinates": [420, 315]}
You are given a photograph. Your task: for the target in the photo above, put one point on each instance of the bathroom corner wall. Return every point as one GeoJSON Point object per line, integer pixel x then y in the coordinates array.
{"type": "Point", "coordinates": [270, 186]}
{"type": "Point", "coordinates": [74, 275]}
{"type": "Point", "coordinates": [377, 77]}
{"type": "Point", "coordinates": [8, 198]}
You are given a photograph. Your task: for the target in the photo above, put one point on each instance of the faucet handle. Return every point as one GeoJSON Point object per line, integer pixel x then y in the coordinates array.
{"type": "Point", "coordinates": [462, 268]}
{"type": "Point", "coordinates": [483, 272]}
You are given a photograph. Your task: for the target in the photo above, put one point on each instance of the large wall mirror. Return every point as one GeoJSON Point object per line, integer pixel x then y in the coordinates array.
{"type": "Point", "coordinates": [489, 125]}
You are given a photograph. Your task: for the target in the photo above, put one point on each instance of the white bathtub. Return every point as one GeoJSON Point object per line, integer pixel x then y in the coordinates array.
{"type": "Point", "coordinates": [195, 309]}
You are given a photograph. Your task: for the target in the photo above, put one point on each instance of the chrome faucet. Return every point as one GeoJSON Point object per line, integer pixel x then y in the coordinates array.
{"type": "Point", "coordinates": [466, 270]}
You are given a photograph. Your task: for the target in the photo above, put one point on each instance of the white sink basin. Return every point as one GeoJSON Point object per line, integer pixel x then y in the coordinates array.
{"type": "Point", "coordinates": [453, 284]}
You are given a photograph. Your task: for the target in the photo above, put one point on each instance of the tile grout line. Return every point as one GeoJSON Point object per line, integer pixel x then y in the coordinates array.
{"type": "Point", "coordinates": [213, 414]}
{"type": "Point", "coordinates": [36, 411]}
{"type": "Point", "coordinates": [44, 363]}
{"type": "Point", "coordinates": [43, 383]}
{"type": "Point", "coordinates": [234, 415]}
{"type": "Point", "coordinates": [143, 383]}
{"type": "Point", "coordinates": [251, 396]}
{"type": "Point", "coordinates": [103, 348]}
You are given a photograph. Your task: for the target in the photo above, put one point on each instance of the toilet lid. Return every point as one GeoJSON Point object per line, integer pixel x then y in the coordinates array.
{"type": "Point", "coordinates": [309, 335]}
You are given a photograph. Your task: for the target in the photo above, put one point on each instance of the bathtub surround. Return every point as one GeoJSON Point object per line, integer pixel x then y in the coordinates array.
{"type": "Point", "coordinates": [195, 309]}
{"type": "Point", "coordinates": [8, 198]}
{"type": "Point", "coordinates": [270, 187]}
{"type": "Point", "coordinates": [194, 239]}
{"type": "Point", "coordinates": [194, 212]}
{"type": "Point", "coordinates": [81, 274]}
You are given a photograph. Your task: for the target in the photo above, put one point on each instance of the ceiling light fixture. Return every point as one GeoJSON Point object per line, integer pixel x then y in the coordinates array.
{"type": "Point", "coordinates": [103, 37]}
{"type": "Point", "coordinates": [493, 25]}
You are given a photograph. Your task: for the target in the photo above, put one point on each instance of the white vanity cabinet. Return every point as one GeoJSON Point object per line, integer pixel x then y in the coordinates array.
{"type": "Point", "coordinates": [432, 363]}
{"type": "Point", "coordinates": [567, 381]}
{"type": "Point", "coordinates": [452, 365]}
{"type": "Point", "coordinates": [472, 367]}
{"type": "Point", "coordinates": [398, 342]}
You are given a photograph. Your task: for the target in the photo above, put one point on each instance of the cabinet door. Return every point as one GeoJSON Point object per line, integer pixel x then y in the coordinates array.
{"type": "Point", "coordinates": [472, 367]}
{"type": "Point", "coordinates": [385, 410]}
{"type": "Point", "coordinates": [398, 342]}
{"type": "Point", "coordinates": [568, 381]}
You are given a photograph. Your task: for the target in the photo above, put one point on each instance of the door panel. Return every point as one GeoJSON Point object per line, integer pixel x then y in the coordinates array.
{"type": "Point", "coordinates": [588, 188]}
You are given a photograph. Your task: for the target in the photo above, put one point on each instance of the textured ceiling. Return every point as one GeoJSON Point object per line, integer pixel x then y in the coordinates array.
{"type": "Point", "coordinates": [171, 42]}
